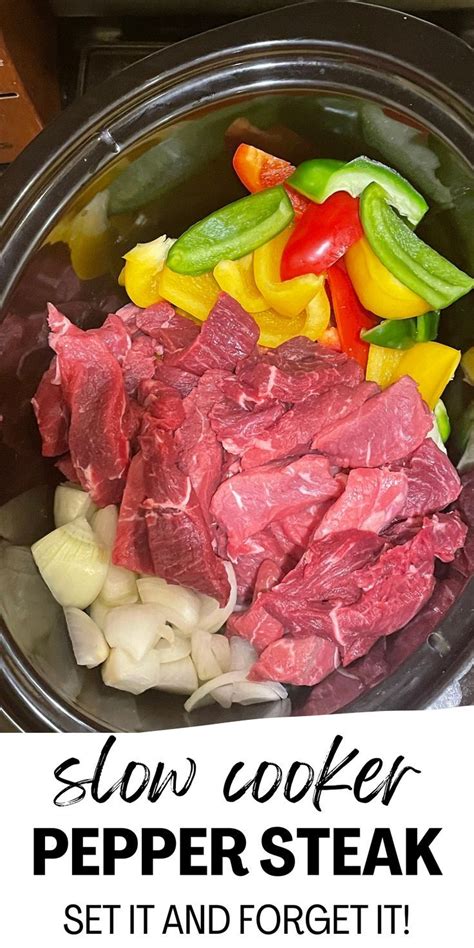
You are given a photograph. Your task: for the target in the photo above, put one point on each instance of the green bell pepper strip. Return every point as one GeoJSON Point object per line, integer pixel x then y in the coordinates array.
{"type": "Point", "coordinates": [231, 232]}
{"type": "Point", "coordinates": [442, 420]}
{"type": "Point", "coordinates": [403, 333]}
{"type": "Point", "coordinates": [412, 261]}
{"type": "Point", "coordinates": [321, 177]}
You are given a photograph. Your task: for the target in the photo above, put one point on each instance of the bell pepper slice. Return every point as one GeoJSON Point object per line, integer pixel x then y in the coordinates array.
{"type": "Point", "coordinates": [143, 265]}
{"type": "Point", "coordinates": [276, 329]}
{"type": "Point", "coordinates": [377, 288]}
{"type": "Point", "coordinates": [467, 363]}
{"type": "Point", "coordinates": [410, 260]}
{"type": "Point", "coordinates": [90, 239]}
{"type": "Point", "coordinates": [236, 278]}
{"type": "Point", "coordinates": [323, 235]}
{"type": "Point", "coordinates": [231, 232]}
{"type": "Point", "coordinates": [330, 338]}
{"type": "Point", "coordinates": [432, 365]}
{"type": "Point", "coordinates": [195, 295]}
{"type": "Point", "coordinates": [351, 317]}
{"type": "Point", "coordinates": [257, 169]}
{"type": "Point", "coordinates": [321, 177]}
{"type": "Point", "coordinates": [287, 297]}
{"type": "Point", "coordinates": [442, 420]}
{"type": "Point", "coordinates": [382, 364]}
{"type": "Point", "coordinates": [403, 333]}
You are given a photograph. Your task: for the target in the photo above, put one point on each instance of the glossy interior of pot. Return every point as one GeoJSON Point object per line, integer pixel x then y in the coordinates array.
{"type": "Point", "coordinates": [161, 185]}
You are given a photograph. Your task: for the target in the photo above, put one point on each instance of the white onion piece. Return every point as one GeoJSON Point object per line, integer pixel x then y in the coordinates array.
{"type": "Point", "coordinates": [87, 640]}
{"type": "Point", "coordinates": [136, 629]}
{"type": "Point", "coordinates": [210, 654]}
{"type": "Point", "coordinates": [98, 612]}
{"type": "Point", "coordinates": [123, 672]}
{"type": "Point", "coordinates": [242, 655]}
{"type": "Point", "coordinates": [173, 651]}
{"type": "Point", "coordinates": [223, 696]}
{"type": "Point", "coordinates": [71, 502]}
{"type": "Point", "coordinates": [72, 563]}
{"type": "Point", "coordinates": [177, 678]}
{"type": "Point", "coordinates": [212, 616]}
{"type": "Point", "coordinates": [104, 524]}
{"type": "Point", "coordinates": [258, 692]}
{"type": "Point", "coordinates": [120, 587]}
{"type": "Point", "coordinates": [180, 606]}
{"type": "Point", "coordinates": [196, 699]}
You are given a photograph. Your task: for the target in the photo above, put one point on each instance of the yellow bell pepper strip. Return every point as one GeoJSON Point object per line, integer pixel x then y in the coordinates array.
{"type": "Point", "coordinates": [143, 265]}
{"type": "Point", "coordinates": [318, 315]}
{"type": "Point", "coordinates": [287, 297]}
{"type": "Point", "coordinates": [236, 278]}
{"type": "Point", "coordinates": [276, 329]}
{"type": "Point", "coordinates": [331, 338]}
{"type": "Point", "coordinates": [382, 363]}
{"type": "Point", "coordinates": [195, 295]}
{"type": "Point", "coordinates": [410, 260]}
{"type": "Point", "coordinates": [89, 237]}
{"type": "Point", "coordinates": [467, 363]}
{"type": "Point", "coordinates": [377, 288]}
{"type": "Point", "coordinates": [431, 365]}
{"type": "Point", "coordinates": [232, 231]}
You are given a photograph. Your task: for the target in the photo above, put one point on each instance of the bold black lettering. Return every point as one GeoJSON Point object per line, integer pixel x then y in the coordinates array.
{"type": "Point", "coordinates": [286, 856]}
{"type": "Point", "coordinates": [41, 854]}
{"type": "Point", "coordinates": [313, 836]}
{"type": "Point", "coordinates": [393, 779]}
{"type": "Point", "coordinates": [78, 835]}
{"type": "Point", "coordinates": [327, 774]}
{"type": "Point", "coordinates": [187, 851]}
{"type": "Point", "coordinates": [382, 837]}
{"type": "Point", "coordinates": [69, 784]}
{"type": "Point", "coordinates": [232, 795]}
{"type": "Point", "coordinates": [112, 852]}
{"type": "Point", "coordinates": [287, 793]}
{"type": "Point", "coordinates": [233, 852]}
{"type": "Point", "coordinates": [420, 849]}
{"type": "Point", "coordinates": [159, 782]}
{"type": "Point", "coordinates": [149, 853]}
{"type": "Point", "coordinates": [341, 851]}
{"type": "Point", "coordinates": [375, 765]}
{"type": "Point", "coordinates": [126, 778]}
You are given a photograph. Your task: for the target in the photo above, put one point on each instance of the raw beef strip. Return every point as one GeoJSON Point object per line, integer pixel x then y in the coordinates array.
{"type": "Point", "coordinates": [255, 624]}
{"type": "Point", "coordinates": [199, 452]}
{"type": "Point", "coordinates": [128, 314]}
{"type": "Point", "coordinates": [182, 381]}
{"type": "Point", "coordinates": [372, 499]}
{"type": "Point", "coordinates": [67, 468]}
{"type": "Point", "coordinates": [296, 661]}
{"type": "Point", "coordinates": [237, 428]}
{"type": "Point", "coordinates": [162, 402]}
{"type": "Point", "coordinates": [249, 557]}
{"type": "Point", "coordinates": [93, 389]}
{"type": "Point", "coordinates": [269, 574]}
{"type": "Point", "coordinates": [171, 330]}
{"type": "Point", "coordinates": [345, 684]}
{"type": "Point", "coordinates": [386, 428]}
{"type": "Point", "coordinates": [228, 335]}
{"type": "Point", "coordinates": [294, 433]}
{"type": "Point", "coordinates": [433, 482]}
{"type": "Point", "coordinates": [161, 527]}
{"type": "Point", "coordinates": [244, 395]}
{"type": "Point", "coordinates": [246, 503]}
{"type": "Point", "coordinates": [295, 531]}
{"type": "Point", "coordinates": [114, 336]}
{"type": "Point", "coordinates": [52, 414]}
{"type": "Point", "coordinates": [140, 363]}
{"type": "Point", "coordinates": [292, 380]}
{"type": "Point", "coordinates": [395, 588]}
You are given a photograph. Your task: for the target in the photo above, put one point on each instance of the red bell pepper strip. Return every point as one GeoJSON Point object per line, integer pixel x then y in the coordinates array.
{"type": "Point", "coordinates": [322, 236]}
{"type": "Point", "coordinates": [351, 317]}
{"type": "Point", "coordinates": [258, 170]}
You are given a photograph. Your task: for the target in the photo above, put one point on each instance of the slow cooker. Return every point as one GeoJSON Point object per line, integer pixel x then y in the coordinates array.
{"type": "Point", "coordinates": [319, 78]}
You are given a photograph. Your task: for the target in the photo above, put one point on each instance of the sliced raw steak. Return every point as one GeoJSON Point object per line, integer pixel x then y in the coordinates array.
{"type": "Point", "coordinates": [140, 363]}
{"type": "Point", "coordinates": [292, 374]}
{"type": "Point", "coordinates": [237, 428]}
{"type": "Point", "coordinates": [372, 499]}
{"type": "Point", "coordinates": [161, 515]}
{"type": "Point", "coordinates": [228, 335]}
{"type": "Point", "coordinates": [386, 428]}
{"type": "Point", "coordinates": [256, 624]}
{"type": "Point", "coordinates": [199, 452]}
{"type": "Point", "coordinates": [253, 552]}
{"type": "Point", "coordinates": [52, 414]}
{"type": "Point", "coordinates": [246, 503]}
{"type": "Point", "coordinates": [293, 433]}
{"type": "Point", "coordinates": [92, 384]}
{"type": "Point", "coordinates": [162, 402]}
{"type": "Point", "coordinates": [170, 330]}
{"type": "Point", "coordinates": [182, 381]}
{"type": "Point", "coordinates": [433, 482]}
{"type": "Point", "coordinates": [296, 661]}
